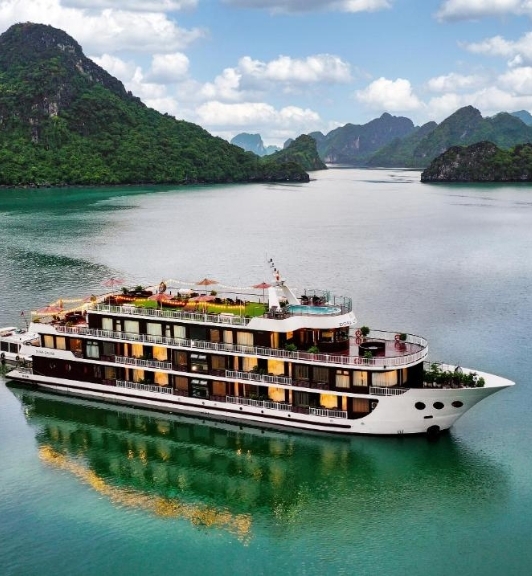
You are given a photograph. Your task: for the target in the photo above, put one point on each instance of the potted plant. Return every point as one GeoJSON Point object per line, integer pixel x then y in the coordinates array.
{"type": "Point", "coordinates": [364, 330]}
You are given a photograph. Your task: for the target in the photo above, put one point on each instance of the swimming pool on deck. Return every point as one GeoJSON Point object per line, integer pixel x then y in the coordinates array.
{"type": "Point", "coordinates": [314, 310]}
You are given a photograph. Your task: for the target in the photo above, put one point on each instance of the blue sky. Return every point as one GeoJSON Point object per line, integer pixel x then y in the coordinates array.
{"type": "Point", "coordinates": [285, 67]}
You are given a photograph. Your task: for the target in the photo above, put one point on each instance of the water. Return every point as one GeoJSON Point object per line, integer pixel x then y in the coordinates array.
{"type": "Point", "coordinates": [89, 489]}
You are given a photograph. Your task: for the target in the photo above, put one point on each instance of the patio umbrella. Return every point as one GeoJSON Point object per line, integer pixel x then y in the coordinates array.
{"type": "Point", "coordinates": [204, 298]}
{"type": "Point", "coordinates": [262, 286]}
{"type": "Point", "coordinates": [160, 297]}
{"type": "Point", "coordinates": [49, 310]}
{"type": "Point", "coordinates": [206, 282]}
{"type": "Point", "coordinates": [112, 282]}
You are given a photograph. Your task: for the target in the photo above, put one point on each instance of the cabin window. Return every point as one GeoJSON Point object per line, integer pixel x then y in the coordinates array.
{"type": "Point", "coordinates": [154, 329]}
{"type": "Point", "coordinates": [48, 341]}
{"type": "Point", "coordinates": [110, 372]}
{"type": "Point", "coordinates": [321, 374]}
{"type": "Point", "coordinates": [60, 342]}
{"type": "Point", "coordinates": [276, 367]}
{"type": "Point", "coordinates": [276, 394]}
{"type": "Point", "coordinates": [160, 353]}
{"type": "Point", "coordinates": [131, 326]}
{"type": "Point", "coordinates": [161, 379]}
{"type": "Point", "coordinates": [181, 383]}
{"type": "Point", "coordinates": [180, 358]}
{"type": "Point", "coordinates": [3, 346]}
{"type": "Point", "coordinates": [108, 348]}
{"type": "Point", "coordinates": [198, 363]}
{"type": "Point", "coordinates": [329, 401]}
{"type": "Point", "coordinates": [93, 351]}
{"type": "Point", "coordinates": [75, 345]}
{"type": "Point", "coordinates": [138, 376]}
{"type": "Point", "coordinates": [249, 363]}
{"type": "Point", "coordinates": [179, 332]}
{"type": "Point", "coordinates": [301, 372]}
{"type": "Point", "coordinates": [244, 338]}
{"type": "Point", "coordinates": [97, 371]}
{"type": "Point", "coordinates": [215, 335]}
{"type": "Point", "coordinates": [384, 379]}
{"type": "Point", "coordinates": [199, 388]}
{"type": "Point", "coordinates": [107, 324]}
{"type": "Point", "coordinates": [218, 362]}
{"type": "Point", "coordinates": [342, 379]}
{"type": "Point", "coordinates": [360, 378]}
{"type": "Point", "coordinates": [228, 336]}
{"type": "Point", "coordinates": [219, 388]}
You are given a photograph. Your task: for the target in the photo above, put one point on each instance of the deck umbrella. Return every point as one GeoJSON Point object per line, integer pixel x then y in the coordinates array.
{"type": "Point", "coordinates": [262, 286]}
{"type": "Point", "coordinates": [112, 282]}
{"type": "Point", "coordinates": [50, 310]}
{"type": "Point", "coordinates": [206, 282]}
{"type": "Point", "coordinates": [204, 298]}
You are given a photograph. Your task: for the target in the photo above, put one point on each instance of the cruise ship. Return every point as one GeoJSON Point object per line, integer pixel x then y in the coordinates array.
{"type": "Point", "coordinates": [270, 356]}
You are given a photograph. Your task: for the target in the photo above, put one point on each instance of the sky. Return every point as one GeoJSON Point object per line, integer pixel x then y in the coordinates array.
{"type": "Point", "coordinates": [282, 68]}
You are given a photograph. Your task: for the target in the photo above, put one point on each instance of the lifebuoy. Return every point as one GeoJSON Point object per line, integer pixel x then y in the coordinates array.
{"type": "Point", "coordinates": [17, 358]}
{"type": "Point", "coordinates": [2, 356]}
{"type": "Point", "coordinates": [358, 340]}
{"type": "Point", "coordinates": [358, 334]}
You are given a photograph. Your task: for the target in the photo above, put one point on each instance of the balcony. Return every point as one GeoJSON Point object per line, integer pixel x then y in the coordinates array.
{"type": "Point", "coordinates": [256, 377]}
{"type": "Point", "coordinates": [141, 363]}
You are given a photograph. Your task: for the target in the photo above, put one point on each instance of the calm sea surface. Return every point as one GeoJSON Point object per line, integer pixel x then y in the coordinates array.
{"type": "Point", "coordinates": [90, 489]}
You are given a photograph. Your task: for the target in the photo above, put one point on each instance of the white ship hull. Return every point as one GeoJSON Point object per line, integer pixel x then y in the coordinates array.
{"type": "Point", "coordinates": [394, 414]}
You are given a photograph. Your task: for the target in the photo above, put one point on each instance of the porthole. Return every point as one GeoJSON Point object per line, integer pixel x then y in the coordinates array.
{"type": "Point", "coordinates": [420, 405]}
{"type": "Point", "coordinates": [438, 405]}
{"type": "Point", "coordinates": [457, 403]}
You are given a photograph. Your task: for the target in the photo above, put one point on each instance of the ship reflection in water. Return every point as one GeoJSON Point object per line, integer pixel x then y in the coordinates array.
{"type": "Point", "coordinates": [230, 477]}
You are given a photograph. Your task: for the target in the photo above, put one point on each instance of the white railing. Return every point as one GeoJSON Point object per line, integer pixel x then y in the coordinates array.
{"type": "Point", "coordinates": [255, 377]}
{"type": "Point", "coordinates": [144, 387]}
{"type": "Point", "coordinates": [327, 413]}
{"type": "Point", "coordinates": [378, 362]}
{"type": "Point", "coordinates": [143, 363]}
{"type": "Point", "coordinates": [383, 391]}
{"type": "Point", "coordinates": [259, 403]}
{"type": "Point", "coordinates": [175, 314]}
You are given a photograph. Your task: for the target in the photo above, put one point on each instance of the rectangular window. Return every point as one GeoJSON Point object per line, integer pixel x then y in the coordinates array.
{"type": "Point", "coordinates": [360, 378]}
{"type": "Point", "coordinates": [131, 326]}
{"type": "Point", "coordinates": [180, 358]}
{"type": "Point", "coordinates": [198, 363]}
{"type": "Point", "coordinates": [244, 338]}
{"type": "Point", "coordinates": [179, 332]}
{"type": "Point", "coordinates": [321, 374]}
{"type": "Point", "coordinates": [249, 362]}
{"type": "Point", "coordinates": [342, 379]}
{"type": "Point", "coordinates": [110, 372]}
{"type": "Point", "coordinates": [107, 324]}
{"type": "Point", "coordinates": [154, 329]}
{"type": "Point", "coordinates": [228, 336]}
{"type": "Point", "coordinates": [108, 348]}
{"type": "Point", "coordinates": [160, 379]}
{"type": "Point", "coordinates": [160, 353]}
{"type": "Point", "coordinates": [301, 372]}
{"type": "Point", "coordinates": [218, 362]}
{"type": "Point", "coordinates": [93, 350]}
{"type": "Point", "coordinates": [218, 388]}
{"type": "Point", "coordinates": [384, 379]}
{"type": "Point", "coordinates": [276, 367]}
{"type": "Point", "coordinates": [181, 383]}
{"type": "Point", "coordinates": [75, 345]}
{"type": "Point", "coordinates": [48, 341]}
{"type": "Point", "coordinates": [215, 335]}
{"type": "Point", "coordinates": [60, 342]}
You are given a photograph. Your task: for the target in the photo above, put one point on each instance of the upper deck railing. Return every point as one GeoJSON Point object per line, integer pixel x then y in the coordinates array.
{"type": "Point", "coordinates": [386, 362]}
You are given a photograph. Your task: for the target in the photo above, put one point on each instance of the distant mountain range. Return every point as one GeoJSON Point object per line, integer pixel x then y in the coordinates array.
{"type": "Point", "coordinates": [253, 143]}
{"type": "Point", "coordinates": [391, 141]}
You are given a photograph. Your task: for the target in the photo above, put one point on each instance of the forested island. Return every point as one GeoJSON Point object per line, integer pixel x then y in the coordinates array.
{"type": "Point", "coordinates": [481, 162]}
{"type": "Point", "coordinates": [66, 121]}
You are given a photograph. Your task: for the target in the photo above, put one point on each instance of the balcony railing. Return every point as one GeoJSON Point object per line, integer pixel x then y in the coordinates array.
{"type": "Point", "coordinates": [259, 403]}
{"type": "Point", "coordinates": [387, 362]}
{"type": "Point", "coordinates": [144, 387]}
{"type": "Point", "coordinates": [143, 363]}
{"type": "Point", "coordinates": [255, 377]}
{"type": "Point", "coordinates": [328, 413]}
{"type": "Point", "coordinates": [383, 391]}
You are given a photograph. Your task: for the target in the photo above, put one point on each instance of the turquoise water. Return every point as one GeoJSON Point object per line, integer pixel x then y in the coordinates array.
{"type": "Point", "coordinates": [314, 310]}
{"type": "Point", "coordinates": [90, 489]}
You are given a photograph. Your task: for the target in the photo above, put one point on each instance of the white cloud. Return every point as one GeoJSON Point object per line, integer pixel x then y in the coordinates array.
{"type": "Point", "coordinates": [286, 6]}
{"type": "Point", "coordinates": [133, 5]}
{"type": "Point", "coordinates": [453, 10]}
{"type": "Point", "coordinates": [168, 68]}
{"type": "Point", "coordinates": [124, 71]}
{"type": "Point", "coordinates": [453, 81]}
{"type": "Point", "coordinates": [105, 31]}
{"type": "Point", "coordinates": [518, 81]}
{"type": "Point", "coordinates": [519, 51]}
{"type": "Point", "coordinates": [389, 95]}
